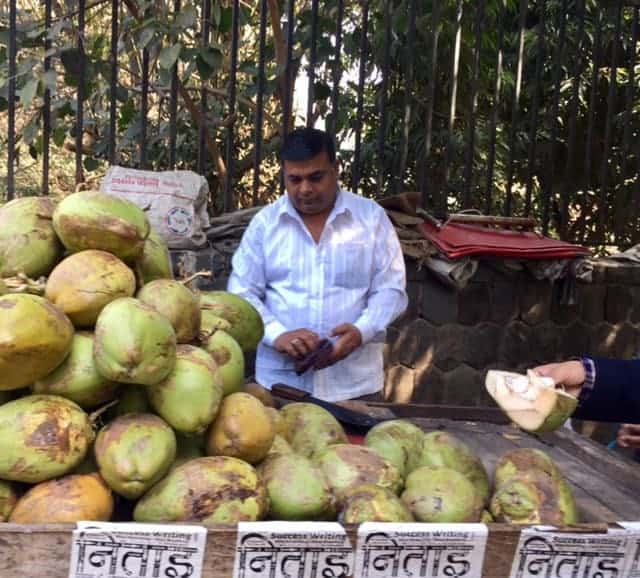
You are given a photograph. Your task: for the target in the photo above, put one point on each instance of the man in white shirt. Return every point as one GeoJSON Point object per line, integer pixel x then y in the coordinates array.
{"type": "Point", "coordinates": [321, 262]}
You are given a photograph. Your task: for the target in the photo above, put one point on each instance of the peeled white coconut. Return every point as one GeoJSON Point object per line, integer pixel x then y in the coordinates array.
{"type": "Point", "coordinates": [531, 401]}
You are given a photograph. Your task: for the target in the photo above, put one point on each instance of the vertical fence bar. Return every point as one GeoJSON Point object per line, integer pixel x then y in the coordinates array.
{"type": "Point", "coordinates": [11, 124]}
{"type": "Point", "coordinates": [337, 69]}
{"type": "Point", "coordinates": [533, 130]}
{"type": "Point", "coordinates": [80, 95]}
{"type": "Point", "coordinates": [173, 103]}
{"type": "Point", "coordinates": [144, 108]}
{"type": "Point", "coordinates": [384, 88]}
{"type": "Point", "coordinates": [311, 76]}
{"type": "Point", "coordinates": [515, 108]}
{"type": "Point", "coordinates": [626, 138]}
{"type": "Point", "coordinates": [113, 81]}
{"type": "Point", "coordinates": [611, 96]}
{"type": "Point", "coordinates": [286, 120]}
{"type": "Point", "coordinates": [228, 197]}
{"type": "Point", "coordinates": [452, 105]}
{"type": "Point", "coordinates": [477, 49]}
{"type": "Point", "coordinates": [550, 157]}
{"type": "Point", "coordinates": [262, 38]}
{"type": "Point", "coordinates": [408, 96]}
{"type": "Point", "coordinates": [362, 70]}
{"type": "Point", "coordinates": [46, 107]}
{"type": "Point", "coordinates": [493, 123]}
{"type": "Point", "coordinates": [202, 131]}
{"type": "Point", "coordinates": [576, 72]}
{"type": "Point", "coordinates": [592, 99]}
{"type": "Point", "coordinates": [425, 186]}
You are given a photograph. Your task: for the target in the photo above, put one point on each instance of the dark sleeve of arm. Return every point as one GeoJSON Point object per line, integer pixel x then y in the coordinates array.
{"type": "Point", "coordinates": [616, 393]}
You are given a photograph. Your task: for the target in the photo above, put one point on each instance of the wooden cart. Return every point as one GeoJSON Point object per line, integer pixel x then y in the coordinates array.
{"type": "Point", "coordinates": [606, 487]}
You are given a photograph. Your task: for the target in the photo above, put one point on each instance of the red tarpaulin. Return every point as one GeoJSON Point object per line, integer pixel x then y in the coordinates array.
{"type": "Point", "coordinates": [457, 240]}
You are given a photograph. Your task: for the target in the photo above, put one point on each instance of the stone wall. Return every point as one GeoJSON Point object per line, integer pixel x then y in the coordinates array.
{"type": "Point", "coordinates": [440, 349]}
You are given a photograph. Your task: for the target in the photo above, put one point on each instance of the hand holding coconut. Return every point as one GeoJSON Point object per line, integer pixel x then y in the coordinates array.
{"type": "Point", "coordinates": [567, 374]}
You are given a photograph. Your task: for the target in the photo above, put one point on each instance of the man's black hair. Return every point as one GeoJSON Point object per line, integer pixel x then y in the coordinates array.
{"type": "Point", "coordinates": [303, 144]}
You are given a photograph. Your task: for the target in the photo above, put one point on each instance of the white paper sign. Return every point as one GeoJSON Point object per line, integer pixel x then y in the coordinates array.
{"type": "Point", "coordinates": [633, 556]}
{"type": "Point", "coordinates": [543, 552]}
{"type": "Point", "coordinates": [131, 550]}
{"type": "Point", "coordinates": [286, 549]}
{"type": "Point", "coordinates": [420, 550]}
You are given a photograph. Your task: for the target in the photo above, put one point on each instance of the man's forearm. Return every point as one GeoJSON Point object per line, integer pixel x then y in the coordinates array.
{"type": "Point", "coordinates": [382, 309]}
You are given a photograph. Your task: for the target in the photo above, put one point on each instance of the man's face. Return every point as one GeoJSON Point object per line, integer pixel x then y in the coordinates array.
{"type": "Point", "coordinates": [312, 184]}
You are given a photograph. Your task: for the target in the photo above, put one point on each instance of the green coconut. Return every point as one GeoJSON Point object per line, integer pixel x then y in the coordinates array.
{"type": "Point", "coordinates": [370, 503]}
{"type": "Point", "coordinates": [189, 397]}
{"type": "Point", "coordinates": [134, 343]}
{"type": "Point", "coordinates": [347, 466]}
{"type": "Point", "coordinates": [94, 220]}
{"type": "Point", "coordinates": [279, 446]}
{"type": "Point", "coordinates": [522, 460]}
{"type": "Point", "coordinates": [246, 324]}
{"type": "Point", "coordinates": [84, 283]}
{"type": "Point", "coordinates": [8, 500]}
{"type": "Point", "coordinates": [77, 378]}
{"type": "Point", "coordinates": [441, 496]}
{"type": "Point", "coordinates": [131, 399]}
{"type": "Point", "coordinates": [533, 497]}
{"type": "Point", "coordinates": [3, 288]}
{"type": "Point", "coordinates": [296, 488]}
{"type": "Point", "coordinates": [42, 437]}
{"type": "Point", "coordinates": [397, 440]}
{"type": "Point", "coordinates": [310, 429]}
{"type": "Point", "coordinates": [177, 303]}
{"type": "Point", "coordinates": [28, 243]}
{"type": "Point", "coordinates": [441, 449]}
{"type": "Point", "coordinates": [229, 358]}
{"type": "Point", "coordinates": [210, 323]}
{"type": "Point", "coordinates": [532, 402]}
{"type": "Point", "coordinates": [211, 490]}
{"type": "Point", "coordinates": [133, 452]}
{"type": "Point", "coordinates": [35, 337]}
{"type": "Point", "coordinates": [155, 262]}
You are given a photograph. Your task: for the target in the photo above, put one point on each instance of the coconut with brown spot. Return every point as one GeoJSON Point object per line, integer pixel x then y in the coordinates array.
{"type": "Point", "coordinates": [228, 357]}
{"type": "Point", "coordinates": [42, 437]}
{"type": "Point", "coordinates": [8, 499]}
{"type": "Point", "coordinates": [189, 397]}
{"type": "Point", "coordinates": [28, 243]}
{"type": "Point", "coordinates": [77, 377]}
{"type": "Point", "coordinates": [95, 220]}
{"type": "Point", "coordinates": [346, 466]}
{"type": "Point", "coordinates": [522, 460]}
{"type": "Point", "coordinates": [177, 303]}
{"type": "Point", "coordinates": [441, 496]}
{"type": "Point", "coordinates": [84, 283]}
{"type": "Point", "coordinates": [310, 429]}
{"type": "Point", "coordinates": [134, 343]}
{"type": "Point", "coordinates": [134, 451]}
{"type": "Point", "coordinates": [397, 440]}
{"type": "Point", "coordinates": [242, 429]}
{"type": "Point", "coordinates": [35, 337]}
{"type": "Point", "coordinates": [370, 503]}
{"type": "Point", "coordinates": [210, 490]}
{"type": "Point", "coordinates": [297, 489]}
{"type": "Point", "coordinates": [65, 500]}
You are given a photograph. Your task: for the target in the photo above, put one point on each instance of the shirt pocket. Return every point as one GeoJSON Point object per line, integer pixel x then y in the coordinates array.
{"type": "Point", "coordinates": [351, 266]}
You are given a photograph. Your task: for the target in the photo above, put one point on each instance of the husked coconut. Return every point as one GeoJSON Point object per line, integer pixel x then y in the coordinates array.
{"type": "Point", "coordinates": [531, 401]}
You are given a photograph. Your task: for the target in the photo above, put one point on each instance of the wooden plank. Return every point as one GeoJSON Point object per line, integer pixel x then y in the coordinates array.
{"type": "Point", "coordinates": [39, 551]}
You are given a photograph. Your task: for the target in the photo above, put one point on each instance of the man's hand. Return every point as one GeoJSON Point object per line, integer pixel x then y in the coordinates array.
{"type": "Point", "coordinates": [629, 436]}
{"type": "Point", "coordinates": [569, 374]}
{"type": "Point", "coordinates": [350, 339]}
{"type": "Point", "coordinates": [297, 343]}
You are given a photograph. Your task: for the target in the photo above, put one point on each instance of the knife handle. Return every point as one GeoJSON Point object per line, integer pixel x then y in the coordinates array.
{"type": "Point", "coordinates": [288, 392]}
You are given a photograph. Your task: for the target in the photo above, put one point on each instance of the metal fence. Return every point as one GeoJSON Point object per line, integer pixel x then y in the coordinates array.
{"type": "Point", "coordinates": [507, 106]}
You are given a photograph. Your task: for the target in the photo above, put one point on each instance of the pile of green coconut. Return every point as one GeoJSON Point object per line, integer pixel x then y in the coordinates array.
{"type": "Point", "coordinates": [123, 396]}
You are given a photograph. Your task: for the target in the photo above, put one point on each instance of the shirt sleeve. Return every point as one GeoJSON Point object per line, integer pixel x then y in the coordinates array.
{"type": "Point", "coordinates": [248, 279]}
{"type": "Point", "coordinates": [387, 297]}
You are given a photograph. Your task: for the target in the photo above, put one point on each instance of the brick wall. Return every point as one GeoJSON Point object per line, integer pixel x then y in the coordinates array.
{"type": "Point", "coordinates": [440, 349]}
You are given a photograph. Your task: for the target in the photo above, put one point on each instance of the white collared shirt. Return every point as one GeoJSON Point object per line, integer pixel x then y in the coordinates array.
{"type": "Point", "coordinates": [354, 274]}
